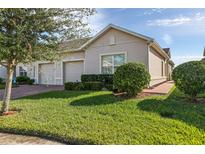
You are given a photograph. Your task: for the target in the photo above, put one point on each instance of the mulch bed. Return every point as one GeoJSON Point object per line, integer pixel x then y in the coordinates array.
{"type": "Point", "coordinates": [11, 112]}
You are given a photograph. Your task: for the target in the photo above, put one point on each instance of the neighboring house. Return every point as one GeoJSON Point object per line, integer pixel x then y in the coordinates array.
{"type": "Point", "coordinates": [102, 54]}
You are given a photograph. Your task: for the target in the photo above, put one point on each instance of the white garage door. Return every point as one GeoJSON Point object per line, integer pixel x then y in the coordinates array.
{"type": "Point", "coordinates": [73, 71]}
{"type": "Point", "coordinates": [46, 74]}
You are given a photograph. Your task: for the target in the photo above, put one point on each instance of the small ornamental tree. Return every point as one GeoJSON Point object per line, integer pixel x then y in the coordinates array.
{"type": "Point", "coordinates": [33, 34]}
{"type": "Point", "coordinates": [189, 77]}
{"type": "Point", "coordinates": [131, 78]}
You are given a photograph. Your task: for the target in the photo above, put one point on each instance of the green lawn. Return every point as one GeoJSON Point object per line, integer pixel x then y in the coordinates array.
{"type": "Point", "coordinates": [2, 86]}
{"type": "Point", "coordinates": [100, 118]}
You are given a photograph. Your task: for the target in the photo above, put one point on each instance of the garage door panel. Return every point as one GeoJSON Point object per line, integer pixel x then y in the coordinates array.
{"type": "Point", "coordinates": [73, 71]}
{"type": "Point", "coordinates": [47, 74]}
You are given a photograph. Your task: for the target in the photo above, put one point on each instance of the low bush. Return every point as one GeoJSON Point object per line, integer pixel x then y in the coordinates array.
{"type": "Point", "coordinates": [24, 80]}
{"type": "Point", "coordinates": [73, 86]}
{"type": "Point", "coordinates": [189, 77]}
{"type": "Point", "coordinates": [104, 78]}
{"type": "Point", "coordinates": [109, 87]}
{"type": "Point", "coordinates": [83, 86]}
{"type": "Point", "coordinates": [31, 81]}
{"type": "Point", "coordinates": [92, 85]}
{"type": "Point", "coordinates": [131, 78]}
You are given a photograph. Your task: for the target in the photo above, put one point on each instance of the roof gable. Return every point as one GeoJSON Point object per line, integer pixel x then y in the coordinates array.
{"type": "Point", "coordinates": [110, 26]}
{"type": "Point", "coordinates": [81, 44]}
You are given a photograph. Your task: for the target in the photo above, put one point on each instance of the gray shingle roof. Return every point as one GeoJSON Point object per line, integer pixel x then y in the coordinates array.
{"type": "Point", "coordinates": [72, 45]}
{"type": "Point", "coordinates": [167, 50]}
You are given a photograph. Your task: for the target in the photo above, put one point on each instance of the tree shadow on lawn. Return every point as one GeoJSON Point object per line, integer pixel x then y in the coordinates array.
{"type": "Point", "coordinates": [47, 136]}
{"type": "Point", "coordinates": [176, 107]}
{"type": "Point", "coordinates": [56, 94]}
{"type": "Point", "coordinates": [101, 99]}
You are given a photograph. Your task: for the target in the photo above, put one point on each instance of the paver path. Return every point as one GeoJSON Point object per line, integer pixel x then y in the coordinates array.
{"type": "Point", "coordinates": [163, 88]}
{"type": "Point", "coordinates": [13, 139]}
{"type": "Point", "coordinates": [26, 90]}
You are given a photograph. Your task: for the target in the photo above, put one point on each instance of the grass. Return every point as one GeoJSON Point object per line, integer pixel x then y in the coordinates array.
{"type": "Point", "coordinates": [77, 117]}
{"type": "Point", "coordinates": [2, 86]}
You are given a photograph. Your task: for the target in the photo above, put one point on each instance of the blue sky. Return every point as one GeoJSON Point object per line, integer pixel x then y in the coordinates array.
{"type": "Point", "coordinates": [183, 30]}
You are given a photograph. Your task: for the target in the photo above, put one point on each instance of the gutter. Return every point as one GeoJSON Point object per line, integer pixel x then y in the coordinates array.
{"type": "Point", "coordinates": [159, 47]}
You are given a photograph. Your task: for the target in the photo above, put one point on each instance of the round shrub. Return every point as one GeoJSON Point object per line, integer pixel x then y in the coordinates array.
{"type": "Point", "coordinates": [189, 77]}
{"type": "Point", "coordinates": [131, 78]}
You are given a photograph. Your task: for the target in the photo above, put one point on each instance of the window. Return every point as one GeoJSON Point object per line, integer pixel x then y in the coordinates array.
{"type": "Point", "coordinates": [110, 63]}
{"type": "Point", "coordinates": [162, 66]}
{"type": "Point", "coordinates": [22, 71]}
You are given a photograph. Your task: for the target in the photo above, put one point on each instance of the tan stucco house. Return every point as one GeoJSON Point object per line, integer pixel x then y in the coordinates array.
{"type": "Point", "coordinates": [102, 54]}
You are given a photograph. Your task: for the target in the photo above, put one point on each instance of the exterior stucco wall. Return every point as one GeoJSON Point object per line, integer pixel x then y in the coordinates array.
{"type": "Point", "coordinates": [134, 48]}
{"type": "Point", "coordinates": [155, 67]}
{"type": "Point", "coordinates": [33, 69]}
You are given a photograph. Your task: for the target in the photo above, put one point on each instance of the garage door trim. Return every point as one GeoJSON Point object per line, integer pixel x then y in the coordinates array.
{"type": "Point", "coordinates": [39, 74]}
{"type": "Point", "coordinates": [70, 61]}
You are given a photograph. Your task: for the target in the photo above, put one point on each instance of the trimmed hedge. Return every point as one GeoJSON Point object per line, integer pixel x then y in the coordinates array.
{"type": "Point", "coordinates": [24, 80]}
{"type": "Point", "coordinates": [73, 86]}
{"type": "Point", "coordinates": [109, 87]}
{"type": "Point", "coordinates": [92, 85]}
{"type": "Point", "coordinates": [83, 86]}
{"type": "Point", "coordinates": [31, 81]}
{"type": "Point", "coordinates": [92, 82]}
{"type": "Point", "coordinates": [104, 78]}
{"type": "Point", "coordinates": [131, 78]}
{"type": "Point", "coordinates": [189, 77]}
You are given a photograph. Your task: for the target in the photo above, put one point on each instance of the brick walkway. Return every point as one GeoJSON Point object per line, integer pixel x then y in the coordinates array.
{"type": "Point", "coordinates": [26, 90]}
{"type": "Point", "coordinates": [161, 89]}
{"type": "Point", "coordinates": [13, 139]}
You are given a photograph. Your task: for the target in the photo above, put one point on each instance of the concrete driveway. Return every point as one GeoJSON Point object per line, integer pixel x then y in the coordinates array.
{"type": "Point", "coordinates": [26, 90]}
{"type": "Point", "coordinates": [12, 139]}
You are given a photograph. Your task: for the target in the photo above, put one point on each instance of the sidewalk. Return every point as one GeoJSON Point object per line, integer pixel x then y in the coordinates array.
{"type": "Point", "coordinates": [161, 89]}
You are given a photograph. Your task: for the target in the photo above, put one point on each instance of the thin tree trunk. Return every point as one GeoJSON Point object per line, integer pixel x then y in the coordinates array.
{"type": "Point", "coordinates": [7, 91]}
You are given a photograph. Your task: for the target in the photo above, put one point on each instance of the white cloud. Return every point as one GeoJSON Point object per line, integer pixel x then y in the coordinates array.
{"type": "Point", "coordinates": [167, 39]}
{"type": "Point", "coordinates": [169, 22]}
{"type": "Point", "coordinates": [180, 20]}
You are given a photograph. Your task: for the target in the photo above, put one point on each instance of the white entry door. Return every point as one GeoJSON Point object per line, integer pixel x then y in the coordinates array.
{"type": "Point", "coordinates": [46, 74]}
{"type": "Point", "coordinates": [73, 71]}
